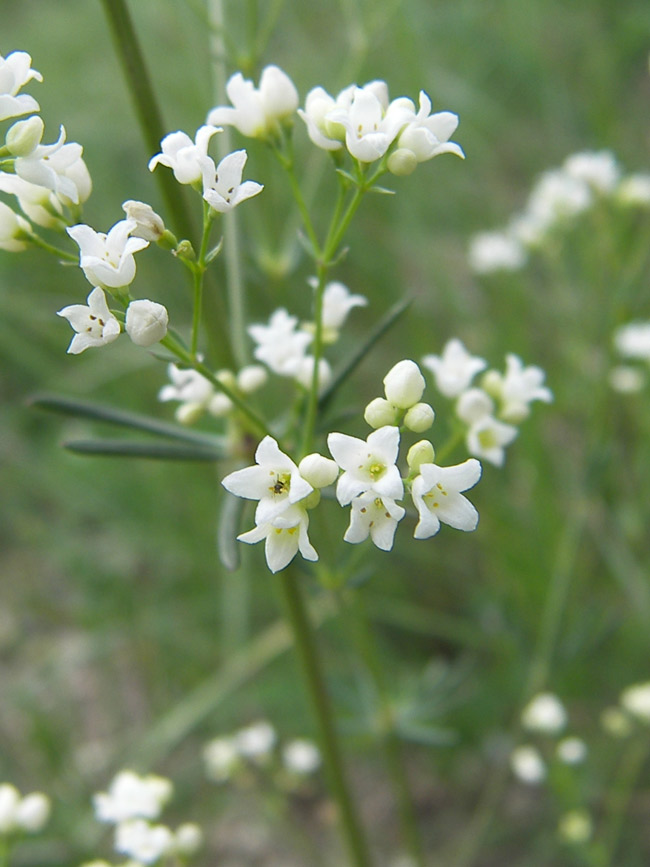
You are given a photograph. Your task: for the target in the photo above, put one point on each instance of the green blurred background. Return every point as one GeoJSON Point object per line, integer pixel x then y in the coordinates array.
{"type": "Point", "coordinates": [115, 611]}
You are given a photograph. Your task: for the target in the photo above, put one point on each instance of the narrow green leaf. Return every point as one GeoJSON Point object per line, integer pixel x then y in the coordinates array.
{"type": "Point", "coordinates": [143, 449]}
{"type": "Point", "coordinates": [121, 418]}
{"type": "Point", "coordinates": [384, 325]}
{"type": "Point", "coordinates": [426, 735]}
{"type": "Point", "coordinates": [228, 529]}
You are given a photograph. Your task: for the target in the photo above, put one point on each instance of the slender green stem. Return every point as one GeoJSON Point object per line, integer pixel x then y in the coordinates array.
{"type": "Point", "coordinates": [55, 251]}
{"type": "Point", "coordinates": [629, 769]}
{"type": "Point", "coordinates": [287, 163]}
{"type": "Point", "coordinates": [199, 273]}
{"type": "Point", "coordinates": [352, 608]}
{"type": "Point", "coordinates": [320, 702]}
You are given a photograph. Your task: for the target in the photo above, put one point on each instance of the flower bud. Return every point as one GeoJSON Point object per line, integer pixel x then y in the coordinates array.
{"type": "Point", "coordinates": [189, 838]}
{"type": "Point", "coordinates": [318, 470]}
{"type": "Point", "coordinates": [33, 812]}
{"type": "Point", "coordinates": [492, 382]}
{"type": "Point", "coordinates": [311, 500]}
{"type": "Point", "coordinates": [188, 413]}
{"type": "Point", "coordinates": [251, 377]}
{"type": "Point", "coordinates": [13, 229]}
{"type": "Point", "coordinates": [404, 384]}
{"type": "Point", "coordinates": [419, 417]}
{"type": "Point", "coordinates": [9, 801]}
{"type": "Point", "coordinates": [380, 412]}
{"type": "Point", "coordinates": [420, 453]}
{"type": "Point", "coordinates": [146, 322]}
{"type": "Point", "coordinates": [576, 827]}
{"type": "Point", "coordinates": [24, 137]}
{"type": "Point", "coordinates": [149, 226]}
{"type": "Point", "coordinates": [227, 377]}
{"type": "Point", "coordinates": [220, 405]}
{"type": "Point", "coordinates": [402, 162]}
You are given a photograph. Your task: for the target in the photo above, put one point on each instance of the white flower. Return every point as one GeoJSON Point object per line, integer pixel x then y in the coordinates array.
{"type": "Point", "coordinates": [223, 189]}
{"type": "Point", "coordinates": [16, 71]}
{"type": "Point", "coordinates": [633, 340]}
{"type": "Point", "coordinates": [555, 197]}
{"type": "Point", "coordinates": [131, 796]}
{"type": "Point", "coordinates": [146, 322]}
{"type": "Point", "coordinates": [576, 827]}
{"type": "Point", "coordinates": [188, 839]}
{"type": "Point", "coordinates": [634, 191]}
{"type": "Point", "coordinates": [544, 713]}
{"type": "Point", "coordinates": [9, 801]}
{"type": "Point", "coordinates": [251, 377]}
{"type": "Point", "coordinates": [302, 370]}
{"type": "Point", "coordinates": [427, 135]}
{"type": "Point", "coordinates": [285, 536]}
{"type": "Point", "coordinates": [626, 379]}
{"type": "Point", "coordinates": [24, 136]}
{"type": "Point", "coordinates": [279, 345]}
{"type": "Point", "coordinates": [274, 480]}
{"type": "Point", "coordinates": [301, 757]}
{"type": "Point", "coordinates": [94, 323]}
{"type": "Point", "coordinates": [517, 388]}
{"type": "Point", "coordinates": [572, 751]}
{"type": "Point", "coordinates": [370, 126]}
{"type": "Point", "coordinates": [404, 384]}
{"type": "Point", "coordinates": [142, 841]}
{"type": "Point", "coordinates": [188, 159]}
{"type": "Point", "coordinates": [486, 437]}
{"type": "Point", "coordinates": [13, 228]}
{"type": "Point", "coordinates": [455, 369]}
{"type": "Point", "coordinates": [148, 224]}
{"type": "Point", "coordinates": [107, 259]}
{"type": "Point", "coordinates": [599, 169]}
{"type": "Point", "coordinates": [496, 251]}
{"type": "Point", "coordinates": [255, 111]}
{"type": "Point", "coordinates": [636, 701]}
{"type": "Point", "coordinates": [256, 741]}
{"type": "Point", "coordinates": [221, 757]}
{"type": "Point", "coordinates": [189, 387]}
{"type": "Point", "coordinates": [616, 723]}
{"type": "Point", "coordinates": [41, 205]}
{"type": "Point", "coordinates": [528, 765]}
{"type": "Point", "coordinates": [318, 104]}
{"type": "Point", "coordinates": [337, 303]}
{"type": "Point", "coordinates": [436, 492]}
{"type": "Point", "coordinates": [33, 812]}
{"type": "Point", "coordinates": [376, 517]}
{"type": "Point", "coordinates": [58, 167]}
{"type": "Point", "coordinates": [369, 466]}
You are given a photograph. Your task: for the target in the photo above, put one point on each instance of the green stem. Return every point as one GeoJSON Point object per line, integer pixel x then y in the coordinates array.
{"type": "Point", "coordinates": [320, 702]}
{"type": "Point", "coordinates": [287, 163]}
{"type": "Point", "coordinates": [351, 606]}
{"type": "Point", "coordinates": [199, 272]}
{"type": "Point", "coordinates": [629, 769]}
{"type": "Point", "coordinates": [146, 107]}
{"type": "Point", "coordinates": [50, 248]}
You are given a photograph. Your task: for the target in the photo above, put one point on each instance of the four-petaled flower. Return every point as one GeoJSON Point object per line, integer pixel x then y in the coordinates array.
{"type": "Point", "coordinates": [369, 466]}
{"type": "Point", "coordinates": [370, 125]}
{"type": "Point", "coordinates": [16, 71]}
{"type": "Point", "coordinates": [188, 159]}
{"type": "Point", "coordinates": [454, 369]}
{"type": "Point", "coordinates": [376, 517]}
{"type": "Point", "coordinates": [223, 189]}
{"type": "Point", "coordinates": [437, 496]}
{"type": "Point", "coordinates": [285, 536]}
{"type": "Point", "coordinates": [427, 135]}
{"type": "Point", "coordinates": [517, 388]}
{"type": "Point", "coordinates": [255, 111]}
{"type": "Point", "coordinates": [94, 323]}
{"type": "Point", "coordinates": [107, 259]}
{"type": "Point", "coordinates": [58, 167]}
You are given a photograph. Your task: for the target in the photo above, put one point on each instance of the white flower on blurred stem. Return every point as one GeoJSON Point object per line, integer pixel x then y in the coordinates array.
{"type": "Point", "coordinates": [285, 536]}
{"type": "Point", "coordinates": [221, 757]}
{"type": "Point", "coordinates": [187, 159]}
{"type": "Point", "coordinates": [599, 169]}
{"type": "Point", "coordinates": [427, 135]}
{"type": "Point", "coordinates": [41, 205]}
{"type": "Point", "coordinates": [636, 701]}
{"type": "Point", "coordinates": [301, 756]}
{"type": "Point", "coordinates": [255, 111]}
{"type": "Point", "coordinates": [626, 379]}
{"type": "Point", "coordinates": [58, 167]}
{"type": "Point", "coordinates": [107, 259]}
{"type": "Point", "coordinates": [33, 812]}
{"type": "Point", "coordinates": [544, 713]}
{"type": "Point", "coordinates": [142, 841]}
{"type": "Point", "coordinates": [274, 480]}
{"type": "Point", "coordinates": [368, 466]}
{"type": "Point", "coordinates": [188, 839]}
{"type": "Point", "coordinates": [370, 126]}
{"type": "Point", "coordinates": [223, 189]}
{"type": "Point", "coordinates": [528, 765]}
{"type": "Point", "coordinates": [302, 370]}
{"type": "Point", "coordinates": [376, 517]}
{"type": "Point", "coordinates": [557, 196]}
{"type": "Point", "coordinates": [575, 827]}
{"type": "Point", "coordinates": [634, 191]}
{"type": "Point", "coordinates": [455, 369]}
{"type": "Point", "coordinates": [318, 104]}
{"type": "Point", "coordinates": [9, 801]}
{"type": "Point", "coordinates": [131, 796]}
{"type": "Point", "coordinates": [572, 751]}
{"type": "Point", "coordinates": [256, 741]}
{"type": "Point", "coordinates": [279, 345]}
{"type": "Point", "coordinates": [615, 722]}
{"type": "Point", "coordinates": [337, 303]}
{"type": "Point", "coordinates": [94, 323]}
{"type": "Point", "coordinates": [496, 251]}
{"type": "Point", "coordinates": [189, 387]}
{"type": "Point", "coordinates": [633, 340]}
{"type": "Point", "coordinates": [437, 496]}
{"type": "Point", "coordinates": [148, 224]}
{"type": "Point", "coordinates": [15, 72]}
{"type": "Point", "coordinates": [146, 322]}
{"type": "Point", "coordinates": [13, 228]}
{"type": "Point", "coordinates": [251, 377]}
{"type": "Point", "coordinates": [486, 437]}
{"type": "Point", "coordinates": [517, 388]}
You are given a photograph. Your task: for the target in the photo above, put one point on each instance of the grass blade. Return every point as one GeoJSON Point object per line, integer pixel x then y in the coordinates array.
{"type": "Point", "coordinates": [143, 449]}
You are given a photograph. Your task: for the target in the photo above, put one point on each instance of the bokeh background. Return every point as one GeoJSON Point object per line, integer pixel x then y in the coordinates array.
{"type": "Point", "coordinates": [122, 639]}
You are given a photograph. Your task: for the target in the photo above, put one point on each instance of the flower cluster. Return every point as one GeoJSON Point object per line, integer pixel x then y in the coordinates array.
{"type": "Point", "coordinates": [633, 709]}
{"type": "Point", "coordinates": [231, 757]}
{"type": "Point", "coordinates": [133, 803]}
{"type": "Point", "coordinates": [632, 343]}
{"type": "Point", "coordinates": [559, 196]}
{"type": "Point", "coordinates": [49, 181]}
{"type": "Point", "coordinates": [361, 120]}
{"type": "Point", "coordinates": [488, 415]}
{"type": "Point", "coordinates": [197, 395]}
{"type": "Point", "coordinates": [369, 481]}
{"type": "Point", "coordinates": [546, 717]}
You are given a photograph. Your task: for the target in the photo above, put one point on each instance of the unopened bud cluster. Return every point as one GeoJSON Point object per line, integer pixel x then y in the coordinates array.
{"type": "Point", "coordinates": [403, 388]}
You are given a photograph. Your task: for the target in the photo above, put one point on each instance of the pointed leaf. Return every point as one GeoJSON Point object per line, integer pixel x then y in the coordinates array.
{"type": "Point", "coordinates": [143, 449]}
